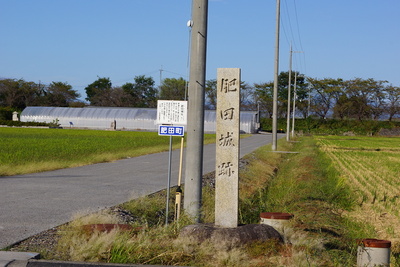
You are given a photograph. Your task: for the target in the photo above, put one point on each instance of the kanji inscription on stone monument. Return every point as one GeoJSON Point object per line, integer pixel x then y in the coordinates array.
{"type": "Point", "coordinates": [227, 151]}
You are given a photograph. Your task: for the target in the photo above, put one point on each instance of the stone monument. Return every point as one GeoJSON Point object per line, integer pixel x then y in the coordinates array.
{"type": "Point", "coordinates": [227, 148]}
{"type": "Point", "coordinates": [226, 229]}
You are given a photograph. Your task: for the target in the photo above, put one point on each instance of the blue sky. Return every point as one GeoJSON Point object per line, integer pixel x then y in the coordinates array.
{"type": "Point", "coordinates": [76, 41]}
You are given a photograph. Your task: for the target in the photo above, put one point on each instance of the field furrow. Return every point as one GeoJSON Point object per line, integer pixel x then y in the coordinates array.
{"type": "Point", "coordinates": [381, 183]}
{"type": "Point", "coordinates": [371, 169]}
{"type": "Point", "coordinates": [359, 185]}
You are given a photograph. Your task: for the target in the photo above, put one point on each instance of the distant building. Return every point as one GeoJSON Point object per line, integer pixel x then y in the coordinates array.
{"type": "Point", "coordinates": [122, 118]}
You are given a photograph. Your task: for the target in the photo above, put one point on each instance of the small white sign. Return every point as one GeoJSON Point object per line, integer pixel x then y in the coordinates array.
{"type": "Point", "coordinates": [171, 112]}
{"type": "Point", "coordinates": [167, 130]}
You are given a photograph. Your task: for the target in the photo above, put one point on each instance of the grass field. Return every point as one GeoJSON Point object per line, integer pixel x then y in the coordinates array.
{"type": "Point", "coordinates": [324, 231]}
{"type": "Point", "coordinates": [371, 167]}
{"type": "Point", "coordinates": [340, 189]}
{"type": "Point", "coordinates": [27, 150]}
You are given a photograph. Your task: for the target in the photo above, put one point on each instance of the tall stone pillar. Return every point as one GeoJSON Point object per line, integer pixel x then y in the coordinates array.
{"type": "Point", "coordinates": [227, 151]}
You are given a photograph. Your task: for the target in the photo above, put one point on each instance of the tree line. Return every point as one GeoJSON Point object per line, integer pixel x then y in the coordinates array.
{"type": "Point", "coordinates": [357, 98]}
{"type": "Point", "coordinates": [18, 94]}
{"type": "Point", "coordinates": [360, 99]}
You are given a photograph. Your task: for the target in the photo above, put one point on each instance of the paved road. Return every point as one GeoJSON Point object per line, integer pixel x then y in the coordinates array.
{"type": "Point", "coordinates": [32, 203]}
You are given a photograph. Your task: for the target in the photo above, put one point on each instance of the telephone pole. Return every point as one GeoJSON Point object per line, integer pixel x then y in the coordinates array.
{"type": "Point", "coordinates": [294, 102]}
{"type": "Point", "coordinates": [161, 70]}
{"type": "Point", "coordinates": [289, 95]}
{"type": "Point", "coordinates": [195, 126]}
{"type": "Point", "coordinates": [289, 89]}
{"type": "Point", "coordinates": [276, 76]}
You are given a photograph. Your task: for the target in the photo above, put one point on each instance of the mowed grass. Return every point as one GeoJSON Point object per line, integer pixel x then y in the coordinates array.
{"type": "Point", "coordinates": [28, 150]}
{"type": "Point", "coordinates": [371, 167]}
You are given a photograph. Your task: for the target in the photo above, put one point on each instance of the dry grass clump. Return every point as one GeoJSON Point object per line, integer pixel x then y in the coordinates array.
{"type": "Point", "coordinates": [77, 245]}
{"type": "Point", "coordinates": [150, 246]}
{"type": "Point", "coordinates": [161, 245]}
{"type": "Point", "coordinates": [29, 167]}
{"type": "Point", "coordinates": [211, 254]}
{"type": "Point", "coordinates": [259, 253]}
{"type": "Point", "coordinates": [84, 218]}
{"type": "Point", "coordinates": [259, 167]}
{"type": "Point", "coordinates": [149, 210]}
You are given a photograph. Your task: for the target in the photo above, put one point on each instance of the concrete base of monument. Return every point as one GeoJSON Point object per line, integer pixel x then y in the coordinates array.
{"type": "Point", "coordinates": [239, 235]}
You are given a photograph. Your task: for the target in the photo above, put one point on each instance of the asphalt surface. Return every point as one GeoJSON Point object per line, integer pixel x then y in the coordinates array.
{"type": "Point", "coordinates": [32, 203]}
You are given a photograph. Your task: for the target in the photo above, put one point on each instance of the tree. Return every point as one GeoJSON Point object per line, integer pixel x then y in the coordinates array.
{"type": "Point", "coordinates": [173, 89]}
{"type": "Point", "coordinates": [30, 92]}
{"type": "Point", "coordinates": [392, 105]}
{"type": "Point", "coordinates": [352, 107]}
{"type": "Point", "coordinates": [60, 94]}
{"type": "Point", "coordinates": [360, 99]}
{"type": "Point", "coordinates": [117, 97]}
{"type": "Point", "coordinates": [264, 94]}
{"type": "Point", "coordinates": [18, 93]}
{"type": "Point", "coordinates": [283, 82]}
{"type": "Point", "coordinates": [324, 95]}
{"type": "Point", "coordinates": [377, 97]}
{"type": "Point", "coordinates": [9, 93]}
{"type": "Point", "coordinates": [98, 89]}
{"type": "Point", "coordinates": [113, 97]}
{"type": "Point", "coordinates": [142, 92]}
{"type": "Point", "coordinates": [302, 93]}
{"type": "Point", "coordinates": [149, 92]}
{"type": "Point", "coordinates": [211, 94]}
{"type": "Point", "coordinates": [247, 97]}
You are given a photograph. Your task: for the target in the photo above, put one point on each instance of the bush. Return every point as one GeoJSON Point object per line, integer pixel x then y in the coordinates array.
{"type": "Point", "coordinates": [6, 113]}
{"type": "Point", "coordinates": [11, 123]}
{"type": "Point", "coordinates": [333, 126]}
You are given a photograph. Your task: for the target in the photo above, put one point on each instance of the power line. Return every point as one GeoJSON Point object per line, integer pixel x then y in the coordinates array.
{"type": "Point", "coordinates": [182, 75]}
{"type": "Point", "coordinates": [297, 23]}
{"type": "Point", "coordinates": [290, 24]}
{"type": "Point", "coordinates": [284, 28]}
{"type": "Point", "coordinates": [289, 32]}
{"type": "Point", "coordinates": [299, 36]}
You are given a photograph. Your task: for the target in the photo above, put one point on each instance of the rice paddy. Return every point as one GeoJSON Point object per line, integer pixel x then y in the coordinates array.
{"type": "Point", "coordinates": [371, 166]}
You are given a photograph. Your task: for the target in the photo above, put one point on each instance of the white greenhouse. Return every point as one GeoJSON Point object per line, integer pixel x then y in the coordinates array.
{"type": "Point", "coordinates": [122, 118]}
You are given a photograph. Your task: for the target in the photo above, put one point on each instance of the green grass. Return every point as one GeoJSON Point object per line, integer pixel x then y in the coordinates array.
{"type": "Point", "coordinates": [309, 186]}
{"type": "Point", "coordinates": [27, 150]}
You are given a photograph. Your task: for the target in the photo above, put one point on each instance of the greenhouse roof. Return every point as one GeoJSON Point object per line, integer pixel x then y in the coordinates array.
{"type": "Point", "coordinates": [123, 118]}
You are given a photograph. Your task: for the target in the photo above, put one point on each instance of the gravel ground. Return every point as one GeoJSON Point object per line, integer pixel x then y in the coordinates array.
{"type": "Point", "coordinates": [46, 241]}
